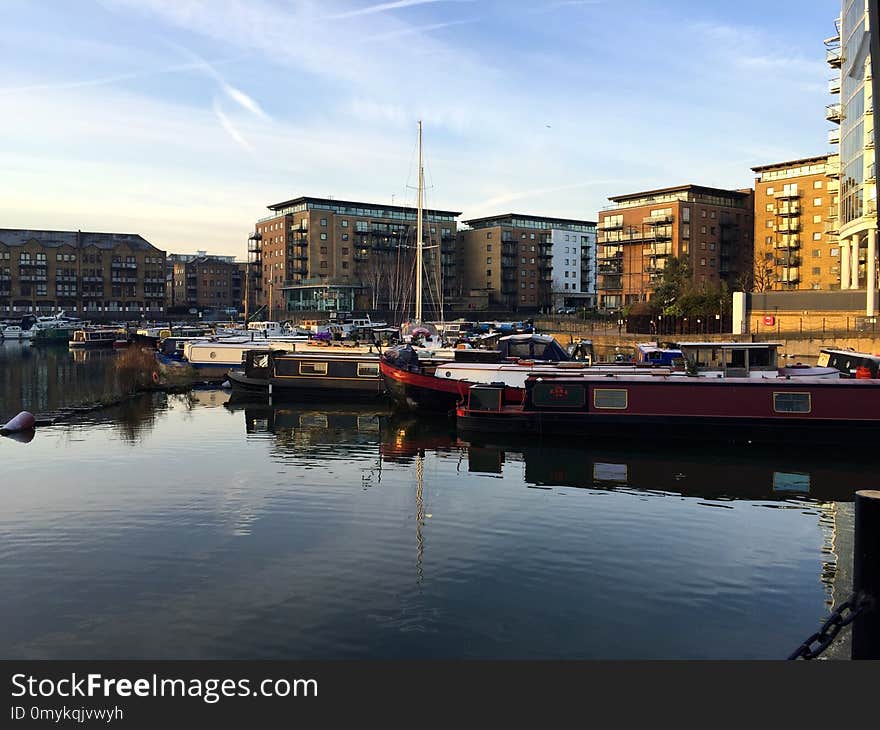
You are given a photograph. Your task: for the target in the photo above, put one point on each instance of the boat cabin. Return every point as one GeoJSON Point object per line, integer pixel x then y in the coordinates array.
{"type": "Point", "coordinates": [732, 359]}
{"type": "Point", "coordinates": [95, 337]}
{"type": "Point", "coordinates": [266, 329]}
{"type": "Point", "coordinates": [650, 353]}
{"type": "Point", "coordinates": [850, 363]}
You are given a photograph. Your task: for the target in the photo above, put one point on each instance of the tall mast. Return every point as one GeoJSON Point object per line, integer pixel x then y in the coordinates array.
{"type": "Point", "coordinates": [419, 235]}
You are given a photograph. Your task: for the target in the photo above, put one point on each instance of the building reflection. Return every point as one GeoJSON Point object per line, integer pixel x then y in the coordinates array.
{"type": "Point", "coordinates": [719, 472]}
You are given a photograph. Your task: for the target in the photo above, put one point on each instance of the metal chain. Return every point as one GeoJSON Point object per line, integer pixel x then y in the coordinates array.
{"type": "Point", "coordinates": [842, 616]}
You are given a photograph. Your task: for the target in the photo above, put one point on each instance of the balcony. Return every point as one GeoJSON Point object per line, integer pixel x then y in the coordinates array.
{"type": "Point", "coordinates": [508, 276]}
{"type": "Point", "coordinates": [791, 244]}
{"type": "Point", "coordinates": [33, 277]}
{"type": "Point", "coordinates": [834, 85]}
{"type": "Point", "coordinates": [608, 226]}
{"type": "Point", "coordinates": [788, 209]}
{"type": "Point", "coordinates": [658, 220]}
{"type": "Point", "coordinates": [655, 267]}
{"type": "Point", "coordinates": [657, 251]}
{"type": "Point", "coordinates": [789, 276]}
{"type": "Point", "coordinates": [834, 136]}
{"type": "Point", "coordinates": [609, 255]}
{"type": "Point", "coordinates": [93, 294]}
{"type": "Point", "coordinates": [65, 278]}
{"type": "Point", "coordinates": [790, 261]}
{"type": "Point", "coordinates": [788, 194]}
{"type": "Point", "coordinates": [124, 279]}
{"type": "Point", "coordinates": [611, 269]}
{"type": "Point", "coordinates": [834, 113]}
{"type": "Point", "coordinates": [832, 170]}
{"type": "Point", "coordinates": [833, 57]}
{"type": "Point", "coordinates": [610, 283]}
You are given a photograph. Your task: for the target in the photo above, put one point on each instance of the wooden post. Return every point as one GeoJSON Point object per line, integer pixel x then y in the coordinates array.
{"type": "Point", "coordinates": [866, 574]}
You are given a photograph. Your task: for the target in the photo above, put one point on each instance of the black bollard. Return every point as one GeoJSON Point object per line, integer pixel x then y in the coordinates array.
{"type": "Point", "coordinates": [866, 574]}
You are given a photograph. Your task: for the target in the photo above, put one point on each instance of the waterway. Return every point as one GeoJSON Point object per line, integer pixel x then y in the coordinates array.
{"type": "Point", "coordinates": [189, 526]}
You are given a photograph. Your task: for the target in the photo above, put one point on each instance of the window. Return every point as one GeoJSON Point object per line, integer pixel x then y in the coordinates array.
{"type": "Point", "coordinates": [686, 214]}
{"type": "Point", "coordinates": [817, 236]}
{"type": "Point", "coordinates": [817, 219]}
{"type": "Point", "coordinates": [368, 370]}
{"type": "Point", "coordinates": [686, 230]}
{"type": "Point", "coordinates": [324, 222]}
{"type": "Point", "coordinates": [817, 201]}
{"type": "Point", "coordinates": [610, 399]}
{"type": "Point", "coordinates": [522, 272]}
{"type": "Point", "coordinates": [323, 236]}
{"type": "Point", "coordinates": [323, 264]}
{"type": "Point", "coordinates": [702, 214]}
{"type": "Point", "coordinates": [488, 273]}
{"type": "Point", "coordinates": [711, 246]}
{"type": "Point", "coordinates": [531, 261]}
{"type": "Point", "coordinates": [523, 259]}
{"type": "Point", "coordinates": [712, 230]}
{"type": "Point", "coordinates": [488, 246]}
{"type": "Point", "coordinates": [345, 252]}
{"type": "Point", "coordinates": [702, 229]}
{"type": "Point", "coordinates": [702, 245]}
{"type": "Point", "coordinates": [835, 252]}
{"type": "Point", "coordinates": [344, 236]}
{"type": "Point", "coordinates": [532, 236]}
{"type": "Point", "coordinates": [488, 259]}
{"type": "Point", "coordinates": [345, 264]}
{"type": "Point", "coordinates": [817, 185]}
{"type": "Point", "coordinates": [553, 395]}
{"type": "Point", "coordinates": [702, 262]}
{"type": "Point", "coordinates": [313, 368]}
{"type": "Point", "coordinates": [712, 215]}
{"type": "Point", "coordinates": [792, 403]}
{"type": "Point", "coordinates": [769, 224]}
{"type": "Point", "coordinates": [816, 271]}
{"type": "Point", "coordinates": [817, 253]}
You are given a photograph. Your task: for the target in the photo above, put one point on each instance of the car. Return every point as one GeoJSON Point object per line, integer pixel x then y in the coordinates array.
{"type": "Point", "coordinates": [571, 310]}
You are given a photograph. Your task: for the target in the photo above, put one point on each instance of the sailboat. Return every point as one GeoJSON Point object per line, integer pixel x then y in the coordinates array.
{"type": "Point", "coordinates": [416, 331]}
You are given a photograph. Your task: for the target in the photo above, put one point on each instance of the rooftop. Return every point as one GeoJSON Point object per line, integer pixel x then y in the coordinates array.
{"type": "Point", "coordinates": [688, 188]}
{"type": "Point", "coordinates": [332, 202]}
{"type": "Point", "coordinates": [506, 218]}
{"type": "Point", "coordinates": [75, 239]}
{"type": "Point", "coordinates": [793, 163]}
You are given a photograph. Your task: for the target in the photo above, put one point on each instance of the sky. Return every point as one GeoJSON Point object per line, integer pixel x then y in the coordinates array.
{"type": "Point", "coordinates": [181, 120]}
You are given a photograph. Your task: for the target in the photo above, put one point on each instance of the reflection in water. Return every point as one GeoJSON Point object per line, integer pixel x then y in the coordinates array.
{"type": "Point", "coordinates": [196, 527]}
{"type": "Point", "coordinates": [43, 378]}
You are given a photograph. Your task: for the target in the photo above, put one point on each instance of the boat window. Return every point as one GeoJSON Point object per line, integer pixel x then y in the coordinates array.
{"type": "Point", "coordinates": [519, 349]}
{"type": "Point", "coordinates": [792, 403]}
{"type": "Point", "coordinates": [485, 399]}
{"type": "Point", "coordinates": [762, 358]}
{"type": "Point", "coordinates": [368, 370]}
{"type": "Point", "coordinates": [824, 359]}
{"type": "Point", "coordinates": [610, 398]}
{"type": "Point", "coordinates": [313, 368]}
{"type": "Point", "coordinates": [555, 395]}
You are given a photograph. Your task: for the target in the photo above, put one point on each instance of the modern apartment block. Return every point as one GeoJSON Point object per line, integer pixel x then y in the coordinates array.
{"type": "Point", "coordinates": [317, 254]}
{"type": "Point", "coordinates": [80, 273]}
{"type": "Point", "coordinates": [200, 281]}
{"type": "Point", "coordinates": [528, 263]}
{"type": "Point", "coordinates": [641, 232]}
{"type": "Point", "coordinates": [796, 225]}
{"type": "Point", "coordinates": [848, 54]}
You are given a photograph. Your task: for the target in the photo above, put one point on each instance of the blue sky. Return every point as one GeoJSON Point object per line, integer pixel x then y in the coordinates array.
{"type": "Point", "coordinates": [182, 119]}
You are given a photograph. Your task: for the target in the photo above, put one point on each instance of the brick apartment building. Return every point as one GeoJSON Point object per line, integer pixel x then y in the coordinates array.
{"type": "Point", "coordinates": [81, 273]}
{"type": "Point", "coordinates": [796, 225]}
{"type": "Point", "coordinates": [317, 254]}
{"type": "Point", "coordinates": [529, 263]}
{"type": "Point", "coordinates": [641, 232]}
{"type": "Point", "coordinates": [204, 282]}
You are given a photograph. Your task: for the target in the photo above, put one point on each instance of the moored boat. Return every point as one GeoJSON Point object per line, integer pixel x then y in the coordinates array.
{"type": "Point", "coordinates": [95, 337]}
{"type": "Point", "coordinates": [303, 375]}
{"type": "Point", "coordinates": [665, 405]}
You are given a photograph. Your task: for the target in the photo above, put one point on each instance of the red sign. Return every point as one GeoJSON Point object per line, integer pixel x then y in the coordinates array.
{"type": "Point", "coordinates": [558, 392]}
{"type": "Point", "coordinates": [769, 320]}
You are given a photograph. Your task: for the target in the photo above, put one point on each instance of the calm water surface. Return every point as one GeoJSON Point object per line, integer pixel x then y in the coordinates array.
{"type": "Point", "coordinates": [190, 527]}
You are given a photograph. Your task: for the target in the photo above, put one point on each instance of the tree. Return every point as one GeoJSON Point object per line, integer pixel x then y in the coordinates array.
{"type": "Point", "coordinates": [763, 274]}
{"type": "Point", "coordinates": [676, 283]}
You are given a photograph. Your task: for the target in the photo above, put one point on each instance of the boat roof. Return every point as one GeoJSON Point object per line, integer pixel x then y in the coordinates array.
{"type": "Point", "coordinates": [844, 351]}
{"type": "Point", "coordinates": [528, 338]}
{"type": "Point", "coordinates": [738, 345]}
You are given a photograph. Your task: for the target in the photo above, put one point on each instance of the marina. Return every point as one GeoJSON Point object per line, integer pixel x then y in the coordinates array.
{"type": "Point", "coordinates": [315, 530]}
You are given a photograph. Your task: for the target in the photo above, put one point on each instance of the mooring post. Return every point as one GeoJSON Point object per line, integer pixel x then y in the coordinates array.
{"type": "Point", "coordinates": [866, 574]}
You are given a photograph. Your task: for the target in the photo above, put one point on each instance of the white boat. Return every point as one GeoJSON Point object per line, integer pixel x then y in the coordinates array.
{"type": "Point", "coordinates": [12, 332]}
{"type": "Point", "coordinates": [225, 354]}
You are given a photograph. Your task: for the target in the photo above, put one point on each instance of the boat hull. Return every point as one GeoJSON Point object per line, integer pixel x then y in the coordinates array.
{"type": "Point", "coordinates": [303, 388]}
{"type": "Point", "coordinates": [659, 408]}
{"type": "Point", "coordinates": [419, 393]}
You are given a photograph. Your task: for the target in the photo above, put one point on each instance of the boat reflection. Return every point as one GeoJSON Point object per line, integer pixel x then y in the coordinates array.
{"type": "Point", "coordinates": [722, 472]}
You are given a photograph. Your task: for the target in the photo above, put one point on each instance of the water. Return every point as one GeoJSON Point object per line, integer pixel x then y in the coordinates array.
{"type": "Point", "coordinates": [189, 527]}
